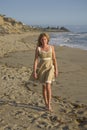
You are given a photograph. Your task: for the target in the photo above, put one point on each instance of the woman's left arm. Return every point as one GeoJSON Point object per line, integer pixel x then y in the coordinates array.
{"type": "Point", "coordinates": [54, 61]}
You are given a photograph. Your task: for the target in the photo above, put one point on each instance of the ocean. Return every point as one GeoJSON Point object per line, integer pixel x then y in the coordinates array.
{"type": "Point", "coordinates": [70, 39]}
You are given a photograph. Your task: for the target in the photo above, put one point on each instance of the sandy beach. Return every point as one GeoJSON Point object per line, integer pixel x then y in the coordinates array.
{"type": "Point", "coordinates": [21, 102]}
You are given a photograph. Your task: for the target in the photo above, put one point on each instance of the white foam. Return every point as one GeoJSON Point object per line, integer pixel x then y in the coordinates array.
{"type": "Point", "coordinates": [70, 39]}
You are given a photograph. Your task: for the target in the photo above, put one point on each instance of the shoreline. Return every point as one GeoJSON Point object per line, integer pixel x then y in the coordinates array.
{"type": "Point", "coordinates": [71, 66]}
{"type": "Point", "coordinates": [71, 39]}
{"type": "Point", "coordinates": [70, 60]}
{"type": "Point", "coordinates": [21, 101]}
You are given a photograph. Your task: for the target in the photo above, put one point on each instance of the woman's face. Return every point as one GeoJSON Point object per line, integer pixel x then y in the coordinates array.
{"type": "Point", "coordinates": [44, 40]}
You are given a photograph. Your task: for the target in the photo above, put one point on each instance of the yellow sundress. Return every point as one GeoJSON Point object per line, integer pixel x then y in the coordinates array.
{"type": "Point", "coordinates": [45, 68]}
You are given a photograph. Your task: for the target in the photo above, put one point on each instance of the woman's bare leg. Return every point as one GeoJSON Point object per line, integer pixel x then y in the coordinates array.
{"type": "Point", "coordinates": [45, 95]}
{"type": "Point", "coordinates": [49, 96]}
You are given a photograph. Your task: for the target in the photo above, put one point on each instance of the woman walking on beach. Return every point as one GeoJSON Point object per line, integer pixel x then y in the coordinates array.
{"type": "Point", "coordinates": [45, 67]}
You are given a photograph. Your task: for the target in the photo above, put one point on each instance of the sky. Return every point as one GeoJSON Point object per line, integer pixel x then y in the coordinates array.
{"type": "Point", "coordinates": [46, 12]}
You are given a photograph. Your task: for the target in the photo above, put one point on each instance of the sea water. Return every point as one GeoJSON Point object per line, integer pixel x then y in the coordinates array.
{"type": "Point", "coordinates": [69, 39]}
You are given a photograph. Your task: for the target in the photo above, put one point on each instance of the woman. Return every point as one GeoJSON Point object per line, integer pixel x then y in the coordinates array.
{"type": "Point", "coordinates": [45, 67]}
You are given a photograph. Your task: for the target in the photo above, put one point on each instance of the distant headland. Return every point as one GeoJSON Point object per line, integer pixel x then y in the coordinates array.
{"type": "Point", "coordinates": [9, 25]}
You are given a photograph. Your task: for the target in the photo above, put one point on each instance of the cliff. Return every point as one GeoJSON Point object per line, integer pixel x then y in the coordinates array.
{"type": "Point", "coordinates": [10, 25]}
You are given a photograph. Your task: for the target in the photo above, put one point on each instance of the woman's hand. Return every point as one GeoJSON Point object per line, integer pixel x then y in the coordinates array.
{"type": "Point", "coordinates": [56, 73]}
{"type": "Point", "coordinates": [35, 75]}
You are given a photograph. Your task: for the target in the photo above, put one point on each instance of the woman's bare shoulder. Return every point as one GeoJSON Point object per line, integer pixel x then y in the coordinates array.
{"type": "Point", "coordinates": [52, 47]}
{"type": "Point", "coordinates": [37, 48]}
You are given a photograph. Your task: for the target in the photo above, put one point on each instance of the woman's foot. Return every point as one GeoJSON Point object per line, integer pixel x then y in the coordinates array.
{"type": "Point", "coordinates": [49, 108]}
{"type": "Point", "coordinates": [46, 107]}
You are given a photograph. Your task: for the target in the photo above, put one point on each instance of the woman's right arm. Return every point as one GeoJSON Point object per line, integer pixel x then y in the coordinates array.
{"type": "Point", "coordinates": [35, 63]}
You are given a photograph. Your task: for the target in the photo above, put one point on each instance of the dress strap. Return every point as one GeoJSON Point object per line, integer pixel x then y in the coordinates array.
{"type": "Point", "coordinates": [51, 48]}
{"type": "Point", "coordinates": [39, 49]}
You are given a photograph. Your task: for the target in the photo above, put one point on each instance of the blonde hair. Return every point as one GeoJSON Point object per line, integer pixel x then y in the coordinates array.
{"type": "Point", "coordinates": [40, 37]}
